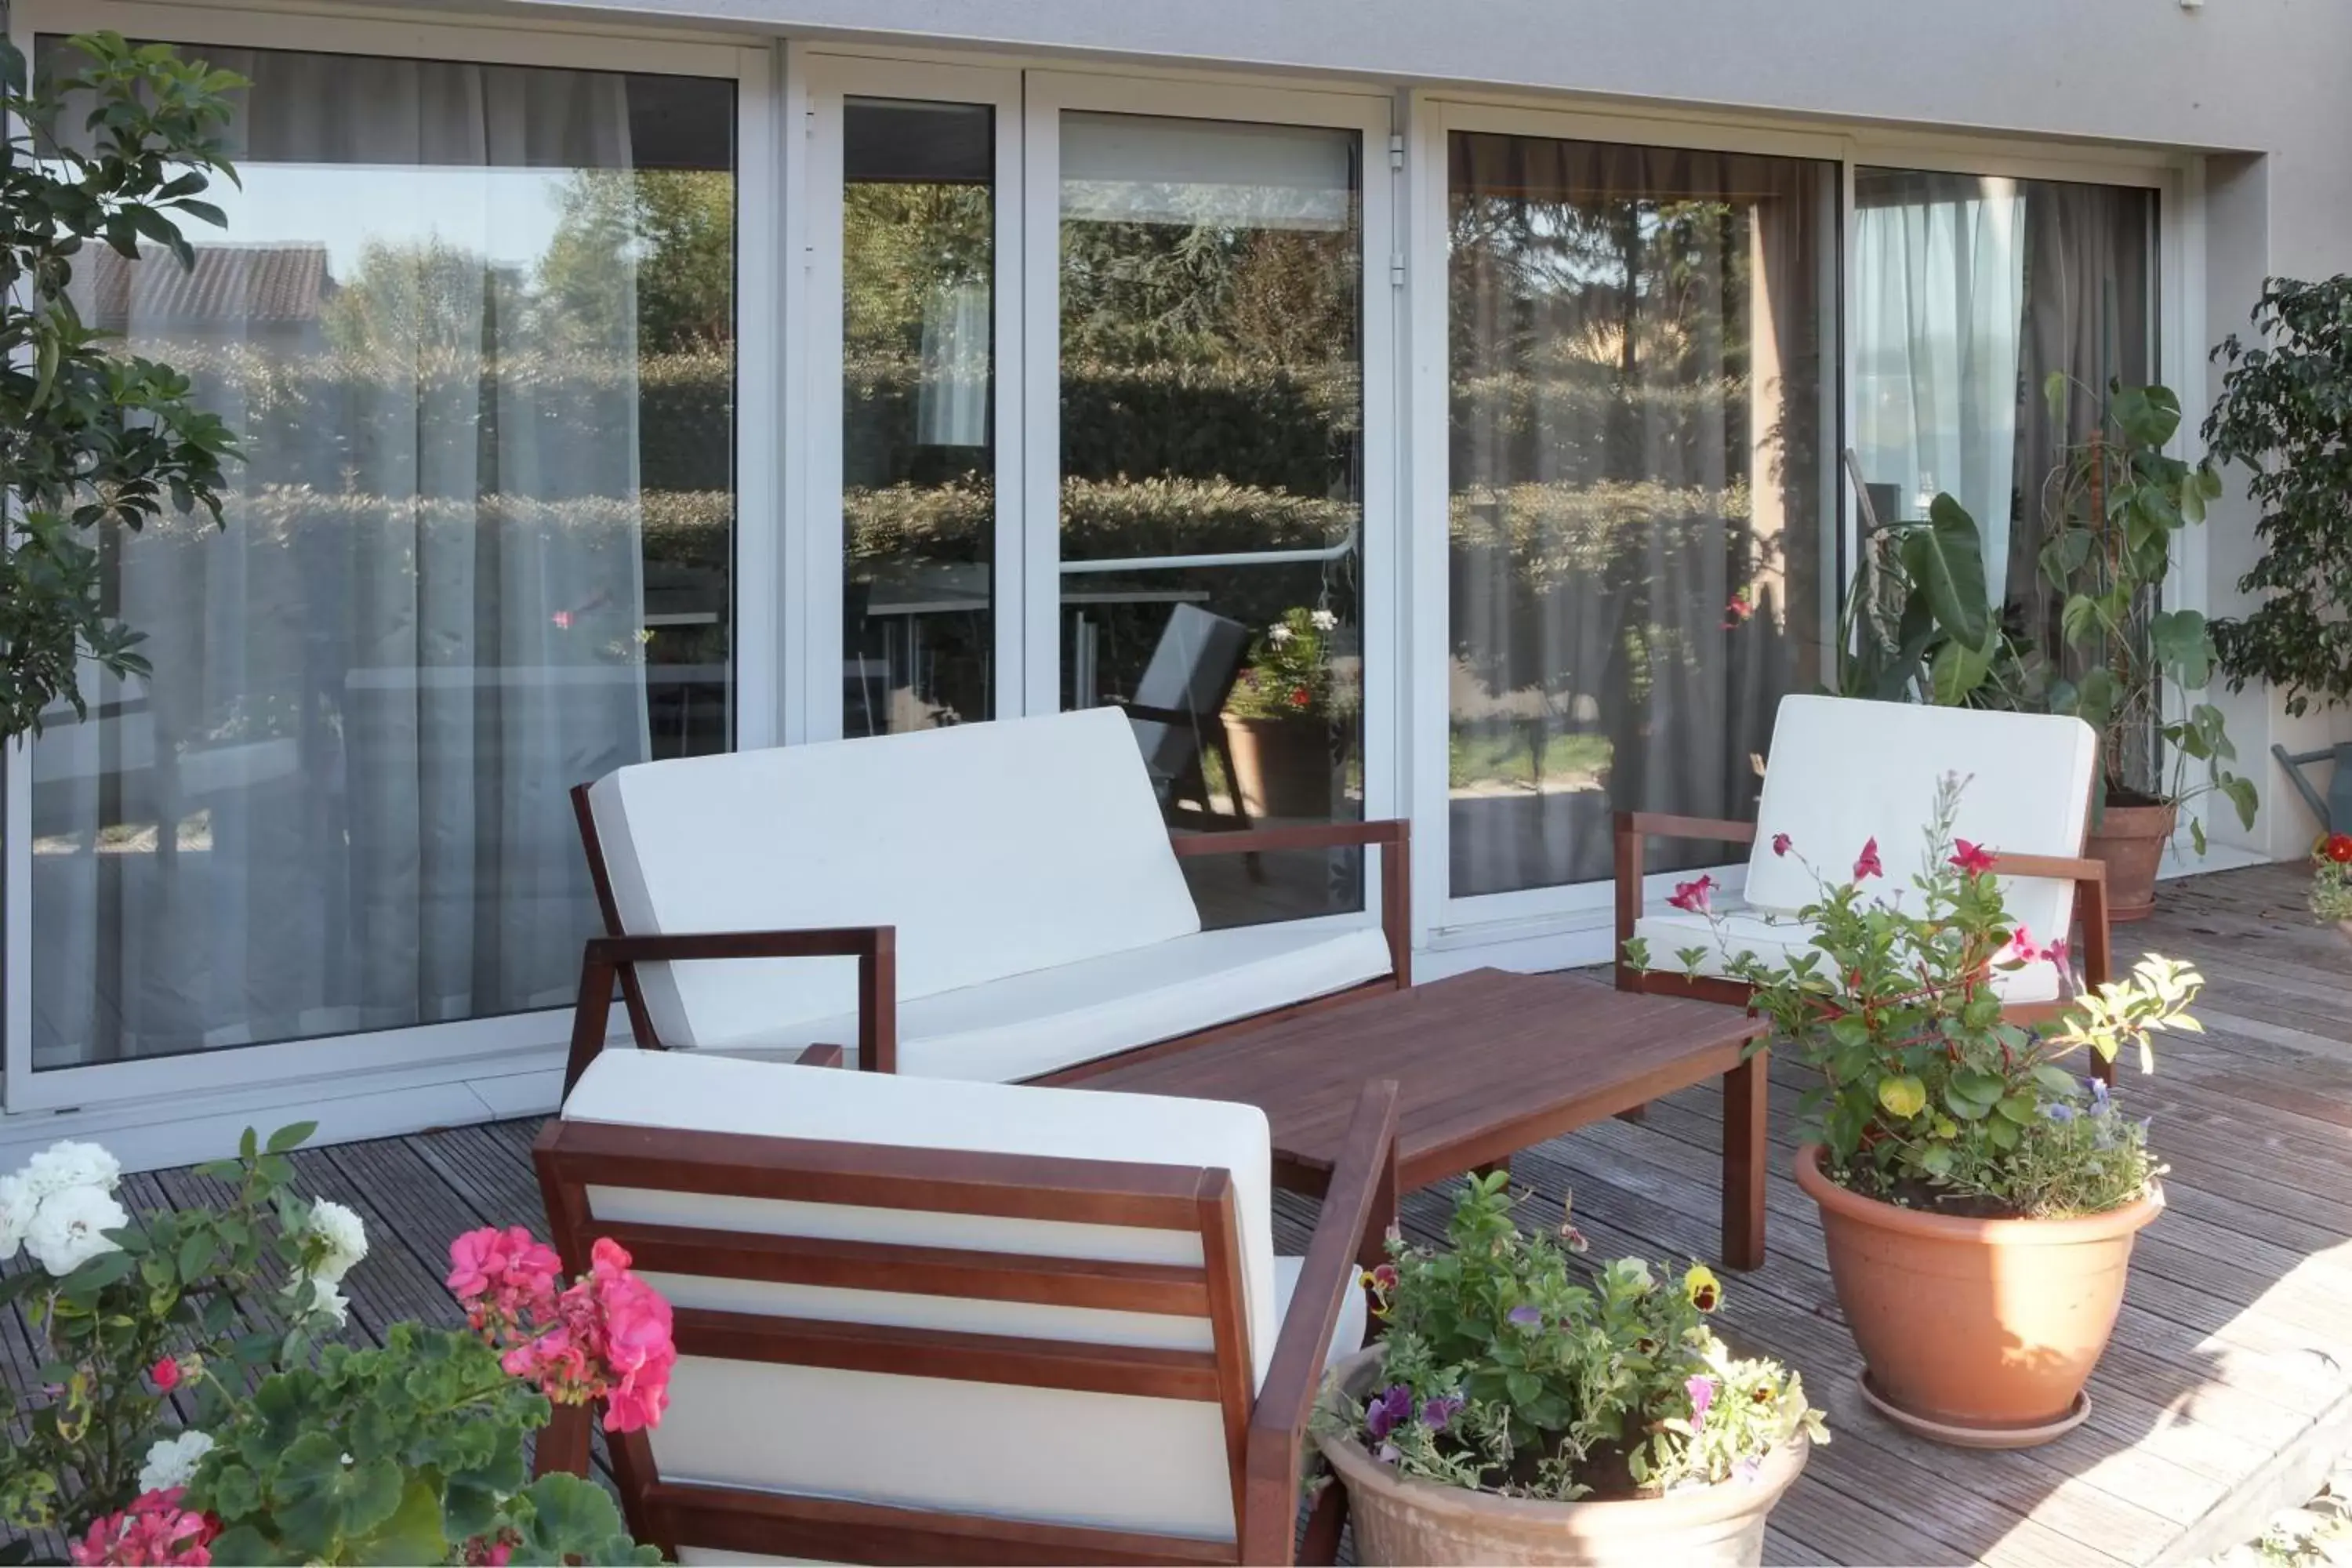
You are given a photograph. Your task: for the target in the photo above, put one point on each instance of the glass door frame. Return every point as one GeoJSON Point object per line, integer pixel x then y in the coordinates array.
{"type": "Point", "coordinates": [528, 1039]}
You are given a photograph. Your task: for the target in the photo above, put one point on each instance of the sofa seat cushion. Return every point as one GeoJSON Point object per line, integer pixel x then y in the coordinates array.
{"type": "Point", "coordinates": [1053, 1018]}
{"type": "Point", "coordinates": [1774, 938]}
{"type": "Point", "coordinates": [1346, 1334]}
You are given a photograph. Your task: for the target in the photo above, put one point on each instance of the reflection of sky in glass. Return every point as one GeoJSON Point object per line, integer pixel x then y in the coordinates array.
{"type": "Point", "coordinates": [506, 215]}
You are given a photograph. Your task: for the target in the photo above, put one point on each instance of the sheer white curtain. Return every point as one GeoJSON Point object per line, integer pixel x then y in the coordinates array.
{"type": "Point", "coordinates": [338, 802]}
{"type": "Point", "coordinates": [1939, 291]}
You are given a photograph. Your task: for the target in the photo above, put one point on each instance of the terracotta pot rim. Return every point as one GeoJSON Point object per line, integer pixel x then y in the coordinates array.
{"type": "Point", "coordinates": [2137, 821]}
{"type": "Point", "coordinates": [1723, 1500]}
{"type": "Point", "coordinates": [1834, 1199]}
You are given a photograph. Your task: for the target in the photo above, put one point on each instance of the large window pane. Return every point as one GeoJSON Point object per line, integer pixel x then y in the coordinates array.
{"type": "Point", "coordinates": [1211, 293]}
{"type": "Point", "coordinates": [1970, 291]}
{"type": "Point", "coordinates": [475, 325]}
{"type": "Point", "coordinates": [919, 379]}
{"type": "Point", "coordinates": [1642, 344]}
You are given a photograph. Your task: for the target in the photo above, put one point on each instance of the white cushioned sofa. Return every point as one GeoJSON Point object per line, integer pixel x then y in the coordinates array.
{"type": "Point", "coordinates": [995, 901]}
{"type": "Point", "coordinates": [1843, 772]}
{"type": "Point", "coordinates": [947, 1321]}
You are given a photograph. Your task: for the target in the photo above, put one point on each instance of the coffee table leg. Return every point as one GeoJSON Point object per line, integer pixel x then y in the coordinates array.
{"type": "Point", "coordinates": [1746, 1099]}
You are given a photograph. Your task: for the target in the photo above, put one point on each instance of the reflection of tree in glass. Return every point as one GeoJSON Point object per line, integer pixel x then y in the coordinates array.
{"type": "Point", "coordinates": [667, 236]}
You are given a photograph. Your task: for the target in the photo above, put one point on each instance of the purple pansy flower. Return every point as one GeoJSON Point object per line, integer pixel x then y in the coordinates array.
{"type": "Point", "coordinates": [1701, 1389]}
{"type": "Point", "coordinates": [2098, 1095]}
{"type": "Point", "coordinates": [2058, 1110]}
{"type": "Point", "coordinates": [1391, 1409]}
{"type": "Point", "coordinates": [1527, 1316]}
{"type": "Point", "coordinates": [1436, 1414]}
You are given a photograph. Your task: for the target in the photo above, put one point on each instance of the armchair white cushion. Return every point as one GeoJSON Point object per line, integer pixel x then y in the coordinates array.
{"type": "Point", "coordinates": [1842, 773]}
{"type": "Point", "coordinates": [1042, 917]}
{"type": "Point", "coordinates": [1114, 1460]}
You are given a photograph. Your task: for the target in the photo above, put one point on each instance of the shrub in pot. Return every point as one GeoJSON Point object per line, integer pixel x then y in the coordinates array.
{"type": "Point", "coordinates": [1979, 1200]}
{"type": "Point", "coordinates": [1279, 719]}
{"type": "Point", "coordinates": [2331, 882]}
{"type": "Point", "coordinates": [1520, 1410]}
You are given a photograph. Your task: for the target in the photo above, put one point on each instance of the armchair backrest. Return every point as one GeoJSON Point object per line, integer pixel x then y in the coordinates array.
{"type": "Point", "coordinates": [906, 1306]}
{"type": "Point", "coordinates": [1843, 772]}
{"type": "Point", "coordinates": [995, 850]}
{"type": "Point", "coordinates": [1192, 671]}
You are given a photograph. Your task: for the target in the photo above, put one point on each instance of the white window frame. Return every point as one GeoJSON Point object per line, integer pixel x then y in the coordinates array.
{"type": "Point", "coordinates": [538, 1034]}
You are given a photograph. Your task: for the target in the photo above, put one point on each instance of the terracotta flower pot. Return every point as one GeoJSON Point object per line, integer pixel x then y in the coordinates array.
{"type": "Point", "coordinates": [2131, 840]}
{"type": "Point", "coordinates": [1976, 1332]}
{"type": "Point", "coordinates": [1406, 1521]}
{"type": "Point", "coordinates": [1281, 766]}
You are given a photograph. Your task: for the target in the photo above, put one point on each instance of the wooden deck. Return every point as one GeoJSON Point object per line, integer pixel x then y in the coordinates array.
{"type": "Point", "coordinates": [2222, 1398]}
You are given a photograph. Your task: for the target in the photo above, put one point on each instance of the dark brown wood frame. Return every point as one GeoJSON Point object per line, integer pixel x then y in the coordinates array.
{"type": "Point", "coordinates": [1264, 1431]}
{"type": "Point", "coordinates": [614, 957]}
{"type": "Point", "coordinates": [1635, 828]}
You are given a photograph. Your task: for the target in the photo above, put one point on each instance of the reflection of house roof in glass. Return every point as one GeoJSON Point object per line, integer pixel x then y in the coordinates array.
{"type": "Point", "coordinates": [250, 285]}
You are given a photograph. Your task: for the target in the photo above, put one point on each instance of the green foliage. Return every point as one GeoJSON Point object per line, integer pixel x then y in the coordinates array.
{"type": "Point", "coordinates": [1917, 622]}
{"type": "Point", "coordinates": [1505, 1371]}
{"type": "Point", "coordinates": [89, 437]}
{"type": "Point", "coordinates": [2121, 500]}
{"type": "Point", "coordinates": [2286, 415]}
{"type": "Point", "coordinates": [402, 1454]}
{"type": "Point", "coordinates": [1290, 674]}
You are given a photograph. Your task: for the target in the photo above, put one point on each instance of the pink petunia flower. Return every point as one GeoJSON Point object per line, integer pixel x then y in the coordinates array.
{"type": "Point", "coordinates": [1701, 1389]}
{"type": "Point", "coordinates": [1867, 865]}
{"type": "Point", "coordinates": [2059, 955]}
{"type": "Point", "coordinates": [1692, 897]}
{"type": "Point", "coordinates": [2021, 949]}
{"type": "Point", "coordinates": [1972, 858]}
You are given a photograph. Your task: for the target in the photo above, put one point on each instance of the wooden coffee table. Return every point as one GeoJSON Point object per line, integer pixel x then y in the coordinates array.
{"type": "Point", "coordinates": [1486, 1063]}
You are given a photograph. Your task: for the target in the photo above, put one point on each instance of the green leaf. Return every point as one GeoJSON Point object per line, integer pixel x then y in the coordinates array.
{"type": "Point", "coordinates": [1957, 671]}
{"type": "Point", "coordinates": [2018, 1108]}
{"type": "Point", "coordinates": [2146, 415]}
{"type": "Point", "coordinates": [2241, 794]}
{"type": "Point", "coordinates": [2002, 1134]}
{"type": "Point", "coordinates": [1903, 1097]}
{"type": "Point", "coordinates": [1522, 1387]}
{"type": "Point", "coordinates": [2182, 646]}
{"type": "Point", "coordinates": [291, 1136]}
{"type": "Point", "coordinates": [412, 1535]}
{"type": "Point", "coordinates": [1946, 561]}
{"type": "Point", "coordinates": [2058, 1081]}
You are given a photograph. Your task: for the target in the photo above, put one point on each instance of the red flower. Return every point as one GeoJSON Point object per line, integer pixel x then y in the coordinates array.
{"type": "Point", "coordinates": [2021, 949]}
{"type": "Point", "coordinates": [1691, 898]}
{"type": "Point", "coordinates": [1973, 858]}
{"type": "Point", "coordinates": [165, 1374]}
{"type": "Point", "coordinates": [1300, 696]}
{"type": "Point", "coordinates": [2338, 848]}
{"type": "Point", "coordinates": [1780, 842]}
{"type": "Point", "coordinates": [1868, 866]}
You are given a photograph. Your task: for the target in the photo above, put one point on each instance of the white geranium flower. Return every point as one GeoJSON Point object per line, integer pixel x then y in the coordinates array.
{"type": "Point", "coordinates": [61, 1167]}
{"type": "Point", "coordinates": [308, 1295]}
{"type": "Point", "coordinates": [16, 1205]}
{"type": "Point", "coordinates": [1324, 621]}
{"type": "Point", "coordinates": [171, 1462]}
{"type": "Point", "coordinates": [67, 1228]}
{"type": "Point", "coordinates": [344, 1236]}
{"type": "Point", "coordinates": [1278, 635]}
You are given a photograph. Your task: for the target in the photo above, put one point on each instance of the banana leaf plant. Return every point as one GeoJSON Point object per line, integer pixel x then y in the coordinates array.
{"type": "Point", "coordinates": [2131, 668]}
{"type": "Point", "coordinates": [1918, 623]}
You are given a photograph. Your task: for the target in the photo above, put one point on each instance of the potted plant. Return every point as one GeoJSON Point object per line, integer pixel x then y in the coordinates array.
{"type": "Point", "coordinates": [2127, 667]}
{"type": "Point", "coordinates": [1278, 718]}
{"type": "Point", "coordinates": [1515, 1412]}
{"type": "Point", "coordinates": [2331, 882]}
{"type": "Point", "coordinates": [294, 1449]}
{"type": "Point", "coordinates": [1980, 1201]}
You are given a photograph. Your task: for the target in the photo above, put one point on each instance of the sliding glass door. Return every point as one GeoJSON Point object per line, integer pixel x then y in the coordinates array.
{"type": "Point", "coordinates": [1640, 505]}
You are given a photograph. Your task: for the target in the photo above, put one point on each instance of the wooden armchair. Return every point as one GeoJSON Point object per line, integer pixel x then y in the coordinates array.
{"type": "Point", "coordinates": [927, 1322]}
{"type": "Point", "coordinates": [1040, 924]}
{"type": "Point", "coordinates": [1843, 772]}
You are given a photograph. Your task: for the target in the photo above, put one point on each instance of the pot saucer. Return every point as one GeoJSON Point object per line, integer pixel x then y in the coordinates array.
{"type": "Point", "coordinates": [1976, 1437]}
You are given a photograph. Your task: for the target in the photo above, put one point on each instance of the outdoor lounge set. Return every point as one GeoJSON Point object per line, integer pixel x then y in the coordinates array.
{"type": "Point", "coordinates": [952, 1245]}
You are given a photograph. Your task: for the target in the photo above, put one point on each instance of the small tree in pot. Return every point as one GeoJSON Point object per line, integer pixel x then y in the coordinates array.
{"type": "Point", "coordinates": [91, 439]}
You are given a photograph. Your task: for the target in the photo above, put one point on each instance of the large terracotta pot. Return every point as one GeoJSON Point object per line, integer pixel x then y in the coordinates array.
{"type": "Point", "coordinates": [1976, 1332]}
{"type": "Point", "coordinates": [1402, 1521]}
{"type": "Point", "coordinates": [1281, 766]}
{"type": "Point", "coordinates": [2131, 840]}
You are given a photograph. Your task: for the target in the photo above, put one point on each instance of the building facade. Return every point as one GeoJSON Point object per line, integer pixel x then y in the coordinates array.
{"type": "Point", "coordinates": [1463, 412]}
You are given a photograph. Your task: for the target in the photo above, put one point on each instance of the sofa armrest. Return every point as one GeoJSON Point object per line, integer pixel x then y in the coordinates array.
{"type": "Point", "coordinates": [1634, 829]}
{"type": "Point", "coordinates": [1359, 1206]}
{"type": "Point", "coordinates": [609, 958]}
{"type": "Point", "coordinates": [2090, 879]}
{"type": "Point", "coordinates": [1391, 838]}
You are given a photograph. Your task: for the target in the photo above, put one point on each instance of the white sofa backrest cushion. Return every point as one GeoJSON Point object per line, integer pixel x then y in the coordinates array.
{"type": "Point", "coordinates": [1843, 772]}
{"type": "Point", "coordinates": [995, 850]}
{"type": "Point", "coordinates": [1113, 1460]}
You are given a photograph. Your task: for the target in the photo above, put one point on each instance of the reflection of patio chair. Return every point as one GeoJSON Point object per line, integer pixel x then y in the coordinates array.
{"type": "Point", "coordinates": [925, 1321]}
{"type": "Point", "coordinates": [1178, 712]}
{"type": "Point", "coordinates": [2335, 809]}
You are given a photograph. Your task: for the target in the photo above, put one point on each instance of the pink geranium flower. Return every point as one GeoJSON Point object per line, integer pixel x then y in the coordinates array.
{"type": "Point", "coordinates": [606, 1336]}
{"type": "Point", "coordinates": [165, 1374]}
{"type": "Point", "coordinates": [153, 1530]}
{"type": "Point", "coordinates": [1692, 897]}
{"type": "Point", "coordinates": [1972, 858]}
{"type": "Point", "coordinates": [1867, 865]}
{"type": "Point", "coordinates": [502, 1277]}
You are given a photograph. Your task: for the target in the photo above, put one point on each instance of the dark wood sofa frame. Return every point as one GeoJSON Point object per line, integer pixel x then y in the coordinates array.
{"type": "Point", "coordinates": [614, 957]}
{"type": "Point", "coordinates": [1263, 1433]}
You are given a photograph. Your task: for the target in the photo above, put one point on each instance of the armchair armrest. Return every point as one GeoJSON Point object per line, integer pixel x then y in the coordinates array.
{"type": "Point", "coordinates": [1391, 838]}
{"type": "Point", "coordinates": [609, 958]}
{"type": "Point", "coordinates": [1358, 1208]}
{"type": "Point", "coordinates": [2090, 879]}
{"type": "Point", "coordinates": [1634, 829]}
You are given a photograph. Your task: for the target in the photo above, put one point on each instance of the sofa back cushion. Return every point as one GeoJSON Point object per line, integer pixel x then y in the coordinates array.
{"type": "Point", "coordinates": [1065, 1456]}
{"type": "Point", "coordinates": [1844, 771]}
{"type": "Point", "coordinates": [995, 850]}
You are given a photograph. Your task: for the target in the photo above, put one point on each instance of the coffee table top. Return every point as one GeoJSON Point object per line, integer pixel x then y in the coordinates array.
{"type": "Point", "coordinates": [1486, 1063]}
